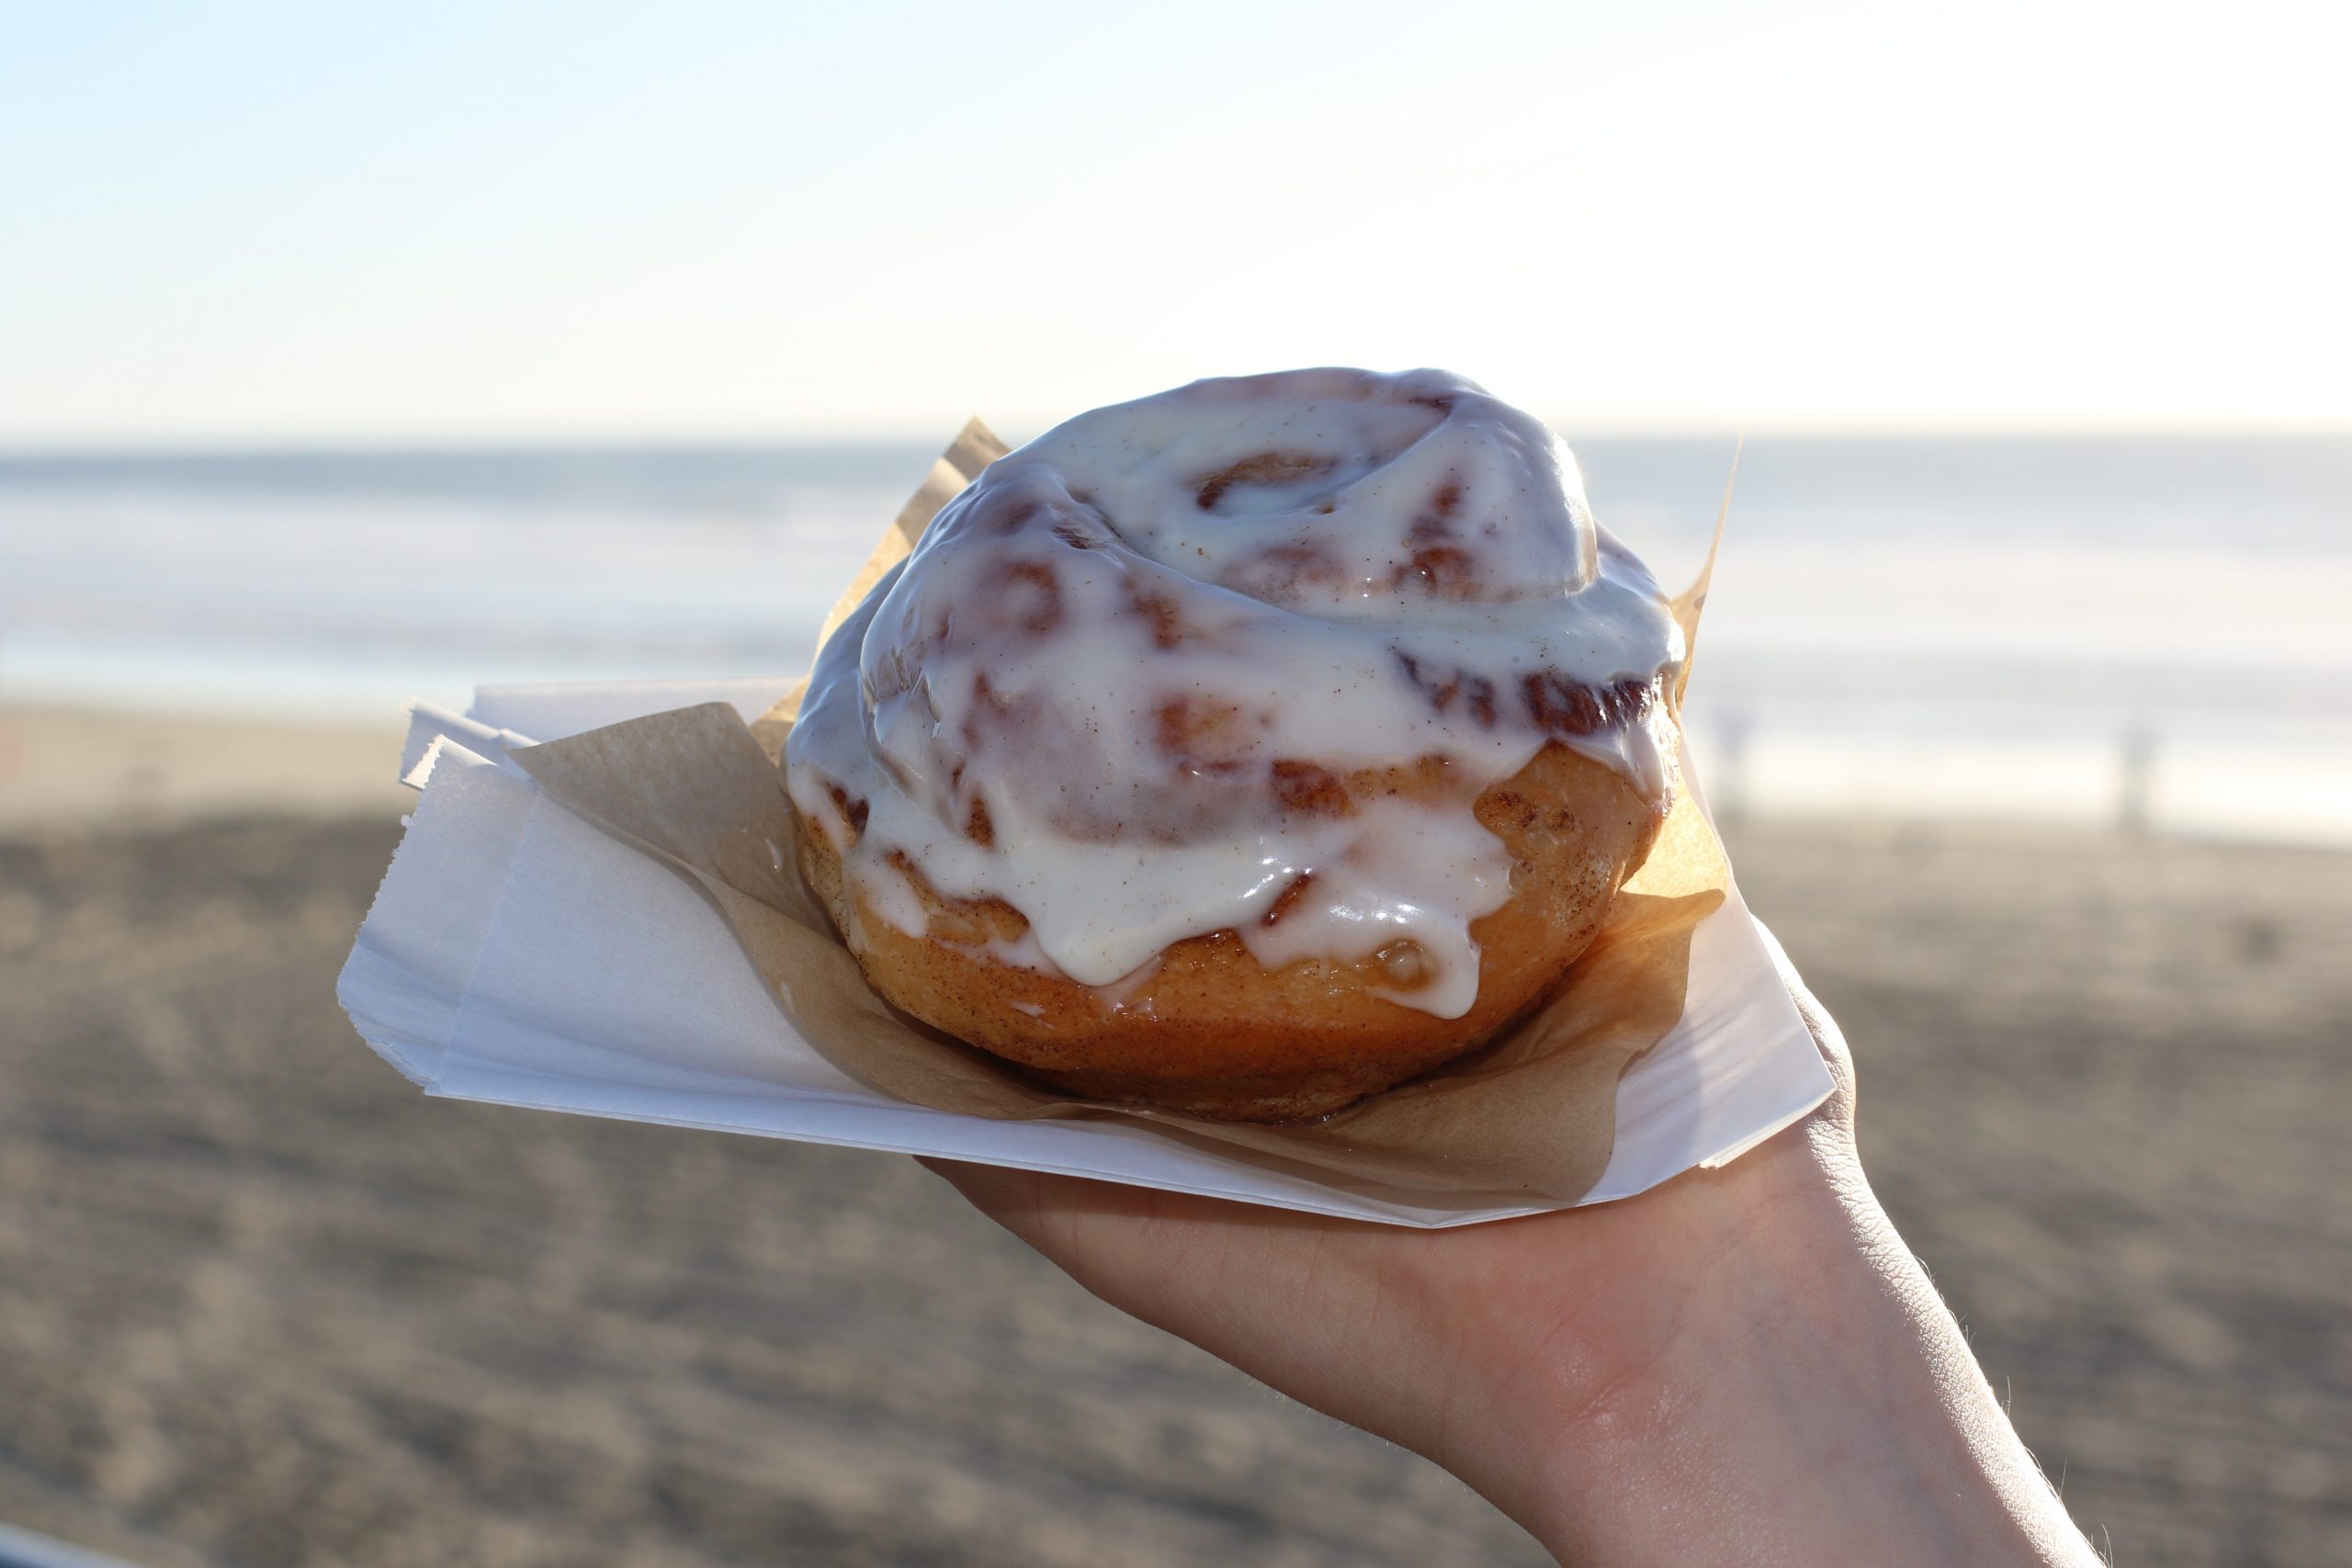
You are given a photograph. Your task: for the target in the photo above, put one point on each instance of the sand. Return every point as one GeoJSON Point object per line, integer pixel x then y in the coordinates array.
{"type": "Point", "coordinates": [262, 1304]}
{"type": "Point", "coordinates": [63, 765]}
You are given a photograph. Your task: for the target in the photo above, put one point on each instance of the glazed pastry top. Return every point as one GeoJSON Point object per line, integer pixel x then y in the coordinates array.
{"type": "Point", "coordinates": [1237, 657]}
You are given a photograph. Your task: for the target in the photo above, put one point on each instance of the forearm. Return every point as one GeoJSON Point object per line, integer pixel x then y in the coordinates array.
{"type": "Point", "coordinates": [1743, 1365]}
{"type": "Point", "coordinates": [1816, 1402]}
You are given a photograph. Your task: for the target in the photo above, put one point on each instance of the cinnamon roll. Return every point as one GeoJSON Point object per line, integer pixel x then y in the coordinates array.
{"type": "Point", "coordinates": [1245, 750]}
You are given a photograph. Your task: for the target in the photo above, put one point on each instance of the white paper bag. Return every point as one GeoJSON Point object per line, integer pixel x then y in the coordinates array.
{"type": "Point", "coordinates": [517, 955]}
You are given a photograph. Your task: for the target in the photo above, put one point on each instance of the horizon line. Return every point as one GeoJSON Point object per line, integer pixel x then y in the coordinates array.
{"type": "Point", "coordinates": [169, 448]}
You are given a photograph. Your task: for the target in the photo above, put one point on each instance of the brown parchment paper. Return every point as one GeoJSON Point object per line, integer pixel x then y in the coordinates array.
{"type": "Point", "coordinates": [1533, 1113]}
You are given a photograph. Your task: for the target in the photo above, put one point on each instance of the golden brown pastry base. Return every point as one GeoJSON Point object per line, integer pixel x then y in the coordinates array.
{"type": "Point", "coordinates": [1213, 1033]}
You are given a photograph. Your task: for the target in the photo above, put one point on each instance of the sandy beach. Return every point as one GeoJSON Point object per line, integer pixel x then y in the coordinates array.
{"type": "Point", "coordinates": [64, 767]}
{"type": "Point", "coordinates": [262, 1304]}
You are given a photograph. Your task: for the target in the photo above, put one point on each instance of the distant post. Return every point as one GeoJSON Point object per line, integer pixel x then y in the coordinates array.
{"type": "Point", "coordinates": [2134, 775]}
{"type": "Point", "coordinates": [1731, 782]}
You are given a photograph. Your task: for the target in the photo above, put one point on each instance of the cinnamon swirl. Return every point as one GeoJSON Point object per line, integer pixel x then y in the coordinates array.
{"type": "Point", "coordinates": [1244, 749]}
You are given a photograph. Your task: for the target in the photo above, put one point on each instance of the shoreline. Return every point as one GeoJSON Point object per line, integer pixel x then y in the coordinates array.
{"type": "Point", "coordinates": [77, 767]}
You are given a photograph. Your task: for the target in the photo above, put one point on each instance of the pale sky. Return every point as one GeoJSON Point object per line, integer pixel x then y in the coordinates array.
{"type": "Point", "coordinates": [248, 224]}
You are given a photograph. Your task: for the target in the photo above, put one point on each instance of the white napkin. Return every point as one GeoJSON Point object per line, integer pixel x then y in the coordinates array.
{"type": "Point", "coordinates": [518, 955]}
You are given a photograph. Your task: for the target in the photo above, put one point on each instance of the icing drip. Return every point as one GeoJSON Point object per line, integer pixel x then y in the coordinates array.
{"type": "Point", "coordinates": [1239, 657]}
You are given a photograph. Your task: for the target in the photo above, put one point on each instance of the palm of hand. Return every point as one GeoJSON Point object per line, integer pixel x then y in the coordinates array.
{"type": "Point", "coordinates": [1436, 1340]}
{"type": "Point", "coordinates": [1744, 1364]}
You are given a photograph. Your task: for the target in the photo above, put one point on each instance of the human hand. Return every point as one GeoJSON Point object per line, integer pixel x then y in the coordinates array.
{"type": "Point", "coordinates": [1743, 1364]}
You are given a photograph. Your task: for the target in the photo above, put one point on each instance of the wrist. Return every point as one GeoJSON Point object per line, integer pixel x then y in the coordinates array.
{"type": "Point", "coordinates": [1786, 1387]}
{"type": "Point", "coordinates": [1628, 1431]}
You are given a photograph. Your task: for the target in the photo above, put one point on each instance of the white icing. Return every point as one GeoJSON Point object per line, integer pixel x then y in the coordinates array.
{"type": "Point", "coordinates": [1112, 684]}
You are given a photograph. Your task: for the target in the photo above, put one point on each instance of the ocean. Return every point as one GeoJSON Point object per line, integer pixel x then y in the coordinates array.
{"type": "Point", "coordinates": [2062, 628]}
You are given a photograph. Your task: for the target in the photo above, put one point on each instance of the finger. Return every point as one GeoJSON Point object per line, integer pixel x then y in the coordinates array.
{"type": "Point", "coordinates": [1003, 1194]}
{"type": "Point", "coordinates": [1827, 1037]}
{"type": "Point", "coordinates": [1817, 1022]}
{"type": "Point", "coordinates": [1186, 1262]}
{"type": "Point", "coordinates": [1095, 1231]}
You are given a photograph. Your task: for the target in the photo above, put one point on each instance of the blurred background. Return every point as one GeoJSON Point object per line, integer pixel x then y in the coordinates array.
{"type": "Point", "coordinates": [347, 357]}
